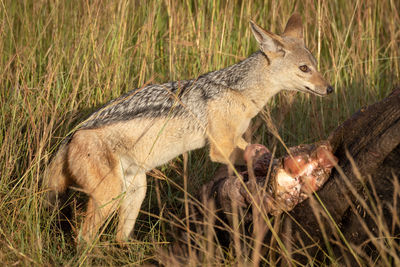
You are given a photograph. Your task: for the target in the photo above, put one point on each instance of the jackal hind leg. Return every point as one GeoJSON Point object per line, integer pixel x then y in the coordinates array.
{"type": "Point", "coordinates": [102, 203]}
{"type": "Point", "coordinates": [135, 193]}
{"type": "Point", "coordinates": [97, 171]}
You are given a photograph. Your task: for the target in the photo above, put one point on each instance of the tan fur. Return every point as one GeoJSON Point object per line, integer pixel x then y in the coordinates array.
{"type": "Point", "coordinates": [56, 178]}
{"type": "Point", "coordinates": [226, 135]}
{"type": "Point", "coordinates": [110, 154]}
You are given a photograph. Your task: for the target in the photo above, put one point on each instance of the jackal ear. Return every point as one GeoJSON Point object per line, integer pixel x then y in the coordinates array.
{"type": "Point", "coordinates": [267, 41]}
{"type": "Point", "coordinates": [294, 27]}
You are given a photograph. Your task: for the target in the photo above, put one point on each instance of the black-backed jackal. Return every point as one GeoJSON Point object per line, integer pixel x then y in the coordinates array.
{"type": "Point", "coordinates": [109, 154]}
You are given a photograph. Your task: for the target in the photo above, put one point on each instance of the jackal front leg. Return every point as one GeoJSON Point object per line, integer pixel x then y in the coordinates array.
{"type": "Point", "coordinates": [228, 118]}
{"type": "Point", "coordinates": [224, 139]}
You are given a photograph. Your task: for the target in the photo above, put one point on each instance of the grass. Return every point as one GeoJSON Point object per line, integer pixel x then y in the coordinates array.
{"type": "Point", "coordinates": [61, 59]}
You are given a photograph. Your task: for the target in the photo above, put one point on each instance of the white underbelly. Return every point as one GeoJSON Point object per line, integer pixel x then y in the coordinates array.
{"type": "Point", "coordinates": [157, 144]}
{"type": "Point", "coordinates": [170, 150]}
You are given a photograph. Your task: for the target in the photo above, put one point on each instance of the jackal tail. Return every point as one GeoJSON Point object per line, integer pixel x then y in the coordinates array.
{"type": "Point", "coordinates": [56, 179]}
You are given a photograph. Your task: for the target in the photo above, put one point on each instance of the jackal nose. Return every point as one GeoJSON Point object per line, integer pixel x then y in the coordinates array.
{"type": "Point", "coordinates": [329, 90]}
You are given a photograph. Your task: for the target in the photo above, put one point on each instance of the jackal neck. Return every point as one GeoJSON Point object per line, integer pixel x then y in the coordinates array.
{"type": "Point", "coordinates": [252, 77]}
{"type": "Point", "coordinates": [234, 76]}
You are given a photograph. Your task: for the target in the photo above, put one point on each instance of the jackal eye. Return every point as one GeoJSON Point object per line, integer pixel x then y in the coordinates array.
{"type": "Point", "coordinates": [304, 68]}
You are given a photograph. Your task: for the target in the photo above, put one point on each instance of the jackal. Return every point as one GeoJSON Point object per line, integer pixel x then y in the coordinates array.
{"type": "Point", "coordinates": [109, 154]}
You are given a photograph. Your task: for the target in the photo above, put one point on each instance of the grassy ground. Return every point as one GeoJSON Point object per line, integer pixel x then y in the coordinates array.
{"type": "Point", "coordinates": [61, 59]}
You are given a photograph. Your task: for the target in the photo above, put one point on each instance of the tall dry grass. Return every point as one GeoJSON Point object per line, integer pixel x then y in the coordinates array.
{"type": "Point", "coordinates": [61, 59]}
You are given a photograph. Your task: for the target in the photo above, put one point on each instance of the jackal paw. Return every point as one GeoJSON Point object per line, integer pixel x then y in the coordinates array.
{"type": "Point", "coordinates": [254, 152]}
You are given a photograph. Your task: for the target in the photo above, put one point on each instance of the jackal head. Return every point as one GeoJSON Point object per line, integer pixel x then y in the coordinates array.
{"type": "Point", "coordinates": [291, 64]}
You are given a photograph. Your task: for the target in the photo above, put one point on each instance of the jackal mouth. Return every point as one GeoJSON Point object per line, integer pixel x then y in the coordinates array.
{"type": "Point", "coordinates": [308, 90]}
